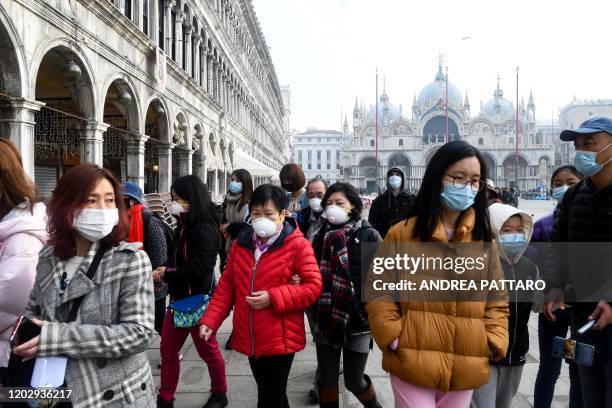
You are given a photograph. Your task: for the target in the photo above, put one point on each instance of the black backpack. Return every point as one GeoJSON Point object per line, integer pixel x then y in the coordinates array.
{"type": "Point", "coordinates": [168, 230]}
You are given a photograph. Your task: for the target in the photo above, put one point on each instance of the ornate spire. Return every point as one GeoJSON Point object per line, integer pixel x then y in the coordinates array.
{"type": "Point", "coordinates": [466, 103]}
{"type": "Point", "coordinates": [531, 103]}
{"type": "Point", "coordinates": [498, 92]}
{"type": "Point", "coordinates": [356, 109]}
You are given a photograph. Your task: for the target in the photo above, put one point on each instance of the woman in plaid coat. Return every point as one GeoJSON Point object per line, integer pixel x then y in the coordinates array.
{"type": "Point", "coordinates": [106, 344]}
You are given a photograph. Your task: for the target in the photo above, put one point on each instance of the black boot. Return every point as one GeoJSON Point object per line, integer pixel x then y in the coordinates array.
{"type": "Point", "coordinates": [368, 397]}
{"type": "Point", "coordinates": [228, 343]}
{"type": "Point", "coordinates": [329, 397]}
{"type": "Point", "coordinates": [216, 400]}
{"type": "Point", "coordinates": [162, 403]}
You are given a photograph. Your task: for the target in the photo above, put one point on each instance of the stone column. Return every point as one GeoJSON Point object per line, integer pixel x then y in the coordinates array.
{"type": "Point", "coordinates": [216, 183]}
{"type": "Point", "coordinates": [135, 159]}
{"type": "Point", "coordinates": [196, 45]}
{"type": "Point", "coordinates": [185, 158]}
{"type": "Point", "coordinates": [164, 153]}
{"type": "Point", "coordinates": [188, 45]}
{"type": "Point", "coordinates": [138, 12]}
{"type": "Point", "coordinates": [92, 141]}
{"type": "Point", "coordinates": [179, 37]}
{"type": "Point", "coordinates": [17, 121]}
{"type": "Point", "coordinates": [209, 72]}
{"type": "Point", "coordinates": [168, 28]}
{"type": "Point", "coordinates": [153, 21]}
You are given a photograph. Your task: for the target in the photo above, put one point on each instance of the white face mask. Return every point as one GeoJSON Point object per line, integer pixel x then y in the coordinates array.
{"type": "Point", "coordinates": [395, 181]}
{"type": "Point", "coordinates": [315, 204]}
{"type": "Point", "coordinates": [336, 215]}
{"type": "Point", "coordinates": [176, 209]}
{"type": "Point", "coordinates": [264, 227]}
{"type": "Point", "coordinates": [94, 224]}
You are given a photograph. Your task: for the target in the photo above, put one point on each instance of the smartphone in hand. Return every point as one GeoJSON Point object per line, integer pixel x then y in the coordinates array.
{"type": "Point", "coordinates": [24, 330]}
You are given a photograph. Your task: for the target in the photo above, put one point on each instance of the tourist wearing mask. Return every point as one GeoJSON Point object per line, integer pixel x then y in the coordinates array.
{"type": "Point", "coordinates": [512, 230]}
{"type": "Point", "coordinates": [550, 367]}
{"type": "Point", "coordinates": [147, 229]}
{"type": "Point", "coordinates": [236, 206]}
{"type": "Point", "coordinates": [292, 180]}
{"type": "Point", "coordinates": [268, 319]}
{"type": "Point", "coordinates": [23, 232]}
{"type": "Point", "coordinates": [190, 273]}
{"type": "Point", "coordinates": [438, 352]}
{"type": "Point", "coordinates": [308, 218]}
{"type": "Point", "coordinates": [583, 215]}
{"type": "Point", "coordinates": [93, 296]}
{"type": "Point", "coordinates": [341, 321]}
{"type": "Point", "coordinates": [390, 206]}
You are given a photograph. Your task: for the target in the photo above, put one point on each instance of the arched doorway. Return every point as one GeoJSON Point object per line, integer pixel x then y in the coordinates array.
{"type": "Point", "coordinates": [368, 169]}
{"type": "Point", "coordinates": [64, 85]}
{"type": "Point", "coordinates": [510, 175]}
{"type": "Point", "coordinates": [121, 113]}
{"type": "Point", "coordinates": [491, 167]}
{"type": "Point", "coordinates": [156, 129]}
{"type": "Point", "coordinates": [435, 130]}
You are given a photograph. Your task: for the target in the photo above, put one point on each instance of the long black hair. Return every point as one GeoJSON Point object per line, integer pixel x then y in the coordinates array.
{"type": "Point", "coordinates": [428, 208]}
{"type": "Point", "coordinates": [244, 177]}
{"type": "Point", "coordinates": [201, 209]}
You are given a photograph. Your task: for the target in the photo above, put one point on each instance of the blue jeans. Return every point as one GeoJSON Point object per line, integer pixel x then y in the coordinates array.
{"type": "Point", "coordinates": [550, 366]}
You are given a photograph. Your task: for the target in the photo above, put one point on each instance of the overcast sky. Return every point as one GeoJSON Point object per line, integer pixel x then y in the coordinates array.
{"type": "Point", "coordinates": [327, 51]}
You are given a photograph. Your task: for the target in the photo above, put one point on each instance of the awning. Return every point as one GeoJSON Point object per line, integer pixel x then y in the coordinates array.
{"type": "Point", "coordinates": [242, 160]}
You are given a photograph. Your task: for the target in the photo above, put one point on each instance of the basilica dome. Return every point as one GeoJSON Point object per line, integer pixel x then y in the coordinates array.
{"type": "Point", "coordinates": [432, 93]}
{"type": "Point", "coordinates": [498, 106]}
{"type": "Point", "coordinates": [385, 109]}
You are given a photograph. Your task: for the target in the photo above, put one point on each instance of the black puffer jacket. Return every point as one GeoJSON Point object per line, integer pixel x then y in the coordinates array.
{"type": "Point", "coordinates": [191, 266]}
{"type": "Point", "coordinates": [388, 208]}
{"type": "Point", "coordinates": [518, 318]}
{"type": "Point", "coordinates": [584, 215]}
{"type": "Point", "coordinates": [365, 233]}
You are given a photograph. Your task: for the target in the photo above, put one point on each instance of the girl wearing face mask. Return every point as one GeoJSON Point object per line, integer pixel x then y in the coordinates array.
{"type": "Point", "coordinates": [550, 367]}
{"type": "Point", "coordinates": [109, 331]}
{"type": "Point", "coordinates": [438, 352]}
{"type": "Point", "coordinates": [340, 319]}
{"type": "Point", "coordinates": [235, 207]}
{"type": "Point", "coordinates": [512, 229]}
{"type": "Point", "coordinates": [268, 320]}
{"type": "Point", "coordinates": [190, 272]}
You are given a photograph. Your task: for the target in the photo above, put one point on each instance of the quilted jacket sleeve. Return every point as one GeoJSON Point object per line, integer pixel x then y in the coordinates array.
{"type": "Point", "coordinates": [496, 312]}
{"type": "Point", "coordinates": [223, 299]}
{"type": "Point", "coordinates": [384, 314]}
{"type": "Point", "coordinates": [288, 297]}
{"type": "Point", "coordinates": [131, 334]}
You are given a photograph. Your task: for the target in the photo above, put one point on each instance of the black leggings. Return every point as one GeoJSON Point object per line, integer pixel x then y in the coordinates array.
{"type": "Point", "coordinates": [271, 374]}
{"type": "Point", "coordinates": [354, 368]}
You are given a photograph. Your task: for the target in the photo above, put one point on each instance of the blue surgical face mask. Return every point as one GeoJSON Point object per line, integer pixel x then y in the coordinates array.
{"type": "Point", "coordinates": [512, 244]}
{"type": "Point", "coordinates": [559, 192]}
{"type": "Point", "coordinates": [457, 198]}
{"type": "Point", "coordinates": [586, 162]}
{"type": "Point", "coordinates": [235, 187]}
{"type": "Point", "coordinates": [395, 181]}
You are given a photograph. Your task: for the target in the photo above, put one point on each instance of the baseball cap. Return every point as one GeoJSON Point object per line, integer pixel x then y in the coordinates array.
{"type": "Point", "coordinates": [592, 125]}
{"type": "Point", "coordinates": [132, 190]}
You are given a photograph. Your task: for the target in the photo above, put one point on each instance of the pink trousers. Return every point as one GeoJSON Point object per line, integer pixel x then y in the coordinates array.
{"type": "Point", "coordinates": [412, 396]}
{"type": "Point", "coordinates": [172, 339]}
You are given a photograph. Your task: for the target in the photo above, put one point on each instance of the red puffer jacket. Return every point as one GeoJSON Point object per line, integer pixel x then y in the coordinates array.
{"type": "Point", "coordinates": [279, 328]}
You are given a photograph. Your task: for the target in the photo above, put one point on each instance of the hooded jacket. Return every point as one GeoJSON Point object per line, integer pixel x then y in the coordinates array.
{"type": "Point", "coordinates": [443, 346]}
{"type": "Point", "coordinates": [388, 208]}
{"type": "Point", "coordinates": [518, 268]}
{"type": "Point", "coordinates": [22, 235]}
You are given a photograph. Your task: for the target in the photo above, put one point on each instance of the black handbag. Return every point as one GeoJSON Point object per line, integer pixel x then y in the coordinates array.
{"type": "Point", "coordinates": [19, 373]}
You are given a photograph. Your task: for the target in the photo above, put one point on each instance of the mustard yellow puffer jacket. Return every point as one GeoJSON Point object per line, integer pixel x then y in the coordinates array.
{"type": "Point", "coordinates": [446, 345]}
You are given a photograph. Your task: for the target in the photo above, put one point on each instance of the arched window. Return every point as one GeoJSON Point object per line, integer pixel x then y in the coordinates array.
{"type": "Point", "coordinates": [480, 141]}
{"type": "Point", "coordinates": [372, 143]}
{"type": "Point", "coordinates": [401, 142]}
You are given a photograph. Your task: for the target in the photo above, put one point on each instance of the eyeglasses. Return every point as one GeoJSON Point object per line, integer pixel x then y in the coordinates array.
{"type": "Point", "coordinates": [460, 182]}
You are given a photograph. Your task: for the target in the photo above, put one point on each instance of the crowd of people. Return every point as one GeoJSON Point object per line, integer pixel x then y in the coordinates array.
{"type": "Point", "coordinates": [95, 274]}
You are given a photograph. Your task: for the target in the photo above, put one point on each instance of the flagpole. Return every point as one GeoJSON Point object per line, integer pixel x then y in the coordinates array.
{"type": "Point", "coordinates": [376, 110]}
{"type": "Point", "coordinates": [446, 108]}
{"type": "Point", "coordinates": [516, 152]}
